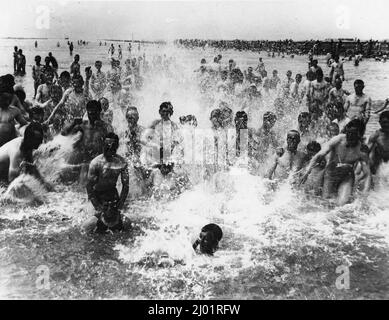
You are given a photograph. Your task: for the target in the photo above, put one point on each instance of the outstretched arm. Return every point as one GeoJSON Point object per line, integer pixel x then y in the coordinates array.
{"type": "Point", "coordinates": [273, 168]}
{"type": "Point", "coordinates": [384, 107]}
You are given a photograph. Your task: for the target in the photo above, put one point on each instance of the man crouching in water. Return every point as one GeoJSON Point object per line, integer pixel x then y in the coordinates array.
{"type": "Point", "coordinates": [104, 171]}
{"type": "Point", "coordinates": [16, 155]}
{"type": "Point", "coordinates": [344, 154]}
{"type": "Point", "coordinates": [287, 161]}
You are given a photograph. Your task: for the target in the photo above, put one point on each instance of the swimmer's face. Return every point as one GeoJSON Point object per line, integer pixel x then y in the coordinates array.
{"type": "Point", "coordinates": [269, 122]}
{"type": "Point", "coordinates": [165, 113]}
{"type": "Point", "coordinates": [56, 94]}
{"type": "Point", "coordinates": [358, 87]}
{"type": "Point", "coordinates": [384, 123]}
{"type": "Point", "coordinates": [38, 117]}
{"type": "Point", "coordinates": [132, 118]}
{"type": "Point", "coordinates": [78, 84]}
{"type": "Point", "coordinates": [298, 78]}
{"type": "Point", "coordinates": [93, 114]}
{"type": "Point", "coordinates": [250, 69]}
{"type": "Point", "coordinates": [224, 76]}
{"type": "Point", "coordinates": [49, 79]}
{"type": "Point", "coordinates": [64, 81]}
{"type": "Point", "coordinates": [5, 100]}
{"type": "Point", "coordinates": [104, 104]}
{"type": "Point", "coordinates": [98, 65]}
{"type": "Point", "coordinates": [332, 131]}
{"type": "Point", "coordinates": [207, 243]}
{"type": "Point", "coordinates": [275, 72]}
{"type": "Point", "coordinates": [352, 136]}
{"type": "Point", "coordinates": [76, 58]}
{"type": "Point", "coordinates": [292, 140]}
{"type": "Point", "coordinates": [289, 74]}
{"type": "Point", "coordinates": [304, 122]}
{"type": "Point", "coordinates": [215, 122]}
{"type": "Point", "coordinates": [110, 147]}
{"type": "Point", "coordinates": [241, 122]}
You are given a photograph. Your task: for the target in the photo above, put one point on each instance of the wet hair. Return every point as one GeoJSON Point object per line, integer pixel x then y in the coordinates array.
{"type": "Point", "coordinates": [167, 105]}
{"type": "Point", "coordinates": [241, 115]}
{"type": "Point", "coordinates": [65, 74]}
{"type": "Point", "coordinates": [98, 61]}
{"type": "Point", "coordinates": [47, 59]}
{"type": "Point", "coordinates": [294, 132]}
{"type": "Point", "coordinates": [384, 115]}
{"type": "Point", "coordinates": [359, 81]}
{"type": "Point", "coordinates": [55, 87]}
{"type": "Point", "coordinates": [215, 113]}
{"type": "Point", "coordinates": [37, 58]}
{"type": "Point", "coordinates": [313, 146]}
{"type": "Point", "coordinates": [356, 124]}
{"type": "Point", "coordinates": [203, 61]}
{"type": "Point", "coordinates": [212, 234]}
{"type": "Point", "coordinates": [93, 105]}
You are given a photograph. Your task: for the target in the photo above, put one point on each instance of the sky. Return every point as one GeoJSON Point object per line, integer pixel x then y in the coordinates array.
{"type": "Point", "coordinates": [168, 20]}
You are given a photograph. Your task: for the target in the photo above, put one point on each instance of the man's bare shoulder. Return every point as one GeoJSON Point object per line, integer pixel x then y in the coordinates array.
{"type": "Point", "coordinates": [97, 161]}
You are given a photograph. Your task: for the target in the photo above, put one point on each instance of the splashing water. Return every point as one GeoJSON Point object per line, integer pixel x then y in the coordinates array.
{"type": "Point", "coordinates": [277, 242]}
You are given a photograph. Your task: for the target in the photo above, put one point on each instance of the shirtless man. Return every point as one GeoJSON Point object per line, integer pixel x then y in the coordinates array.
{"type": "Point", "coordinates": [358, 104]}
{"type": "Point", "coordinates": [37, 74]}
{"type": "Point", "coordinates": [336, 70]}
{"type": "Point", "coordinates": [314, 183]}
{"type": "Point", "coordinates": [275, 80]}
{"type": "Point", "coordinates": [287, 162]}
{"type": "Point", "coordinates": [64, 80]}
{"type": "Point", "coordinates": [8, 114]}
{"type": "Point", "coordinates": [98, 81]}
{"type": "Point", "coordinates": [74, 100]}
{"type": "Point", "coordinates": [93, 132]}
{"type": "Point", "coordinates": [43, 91]}
{"type": "Point", "coordinates": [103, 174]}
{"type": "Point", "coordinates": [296, 90]}
{"type": "Point", "coordinates": [16, 155]}
{"type": "Point", "coordinates": [379, 143]}
{"type": "Point", "coordinates": [318, 95]}
{"type": "Point", "coordinates": [263, 139]}
{"type": "Point", "coordinates": [287, 83]}
{"type": "Point", "coordinates": [338, 94]}
{"type": "Point", "coordinates": [106, 113]}
{"type": "Point", "coordinates": [164, 133]}
{"type": "Point", "coordinates": [75, 66]}
{"type": "Point", "coordinates": [133, 135]}
{"type": "Point", "coordinates": [344, 154]}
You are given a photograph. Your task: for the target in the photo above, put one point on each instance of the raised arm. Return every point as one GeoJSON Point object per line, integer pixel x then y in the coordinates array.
{"type": "Point", "coordinates": [59, 105]}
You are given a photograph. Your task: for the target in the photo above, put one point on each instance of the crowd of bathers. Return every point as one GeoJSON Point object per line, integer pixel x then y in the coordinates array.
{"type": "Point", "coordinates": [326, 155]}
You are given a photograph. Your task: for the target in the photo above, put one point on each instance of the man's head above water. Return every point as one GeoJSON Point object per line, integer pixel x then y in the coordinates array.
{"type": "Point", "coordinates": [111, 144]}
{"type": "Point", "coordinates": [93, 108]}
{"type": "Point", "coordinates": [354, 131]}
{"type": "Point", "coordinates": [293, 140]}
{"type": "Point", "coordinates": [166, 110]}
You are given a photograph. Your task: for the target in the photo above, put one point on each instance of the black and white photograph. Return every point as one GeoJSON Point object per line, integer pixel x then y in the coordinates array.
{"type": "Point", "coordinates": [194, 150]}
